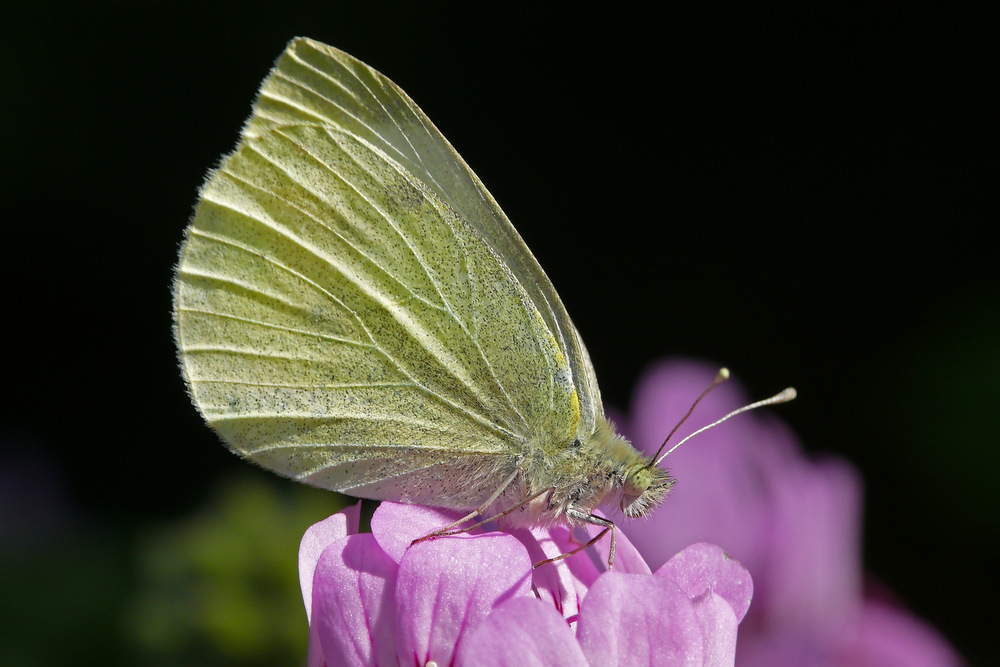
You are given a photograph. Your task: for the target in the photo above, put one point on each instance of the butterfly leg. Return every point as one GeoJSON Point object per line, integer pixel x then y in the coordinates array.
{"type": "Point", "coordinates": [594, 520]}
{"type": "Point", "coordinates": [451, 529]}
{"type": "Point", "coordinates": [495, 517]}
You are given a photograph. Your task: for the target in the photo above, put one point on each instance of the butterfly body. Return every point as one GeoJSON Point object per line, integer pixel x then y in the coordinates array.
{"type": "Point", "coordinates": [353, 310]}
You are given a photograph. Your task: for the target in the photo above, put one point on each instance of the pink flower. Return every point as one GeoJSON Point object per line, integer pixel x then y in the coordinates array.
{"type": "Point", "coordinates": [795, 524]}
{"type": "Point", "coordinates": [373, 599]}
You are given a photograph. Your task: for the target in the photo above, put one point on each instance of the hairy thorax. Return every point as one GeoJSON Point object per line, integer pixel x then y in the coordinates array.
{"type": "Point", "coordinates": [574, 480]}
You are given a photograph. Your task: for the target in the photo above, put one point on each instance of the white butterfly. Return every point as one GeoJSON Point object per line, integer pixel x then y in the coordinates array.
{"type": "Point", "coordinates": [353, 310]}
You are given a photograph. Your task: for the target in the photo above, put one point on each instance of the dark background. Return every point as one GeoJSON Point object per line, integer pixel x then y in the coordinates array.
{"type": "Point", "coordinates": [804, 195]}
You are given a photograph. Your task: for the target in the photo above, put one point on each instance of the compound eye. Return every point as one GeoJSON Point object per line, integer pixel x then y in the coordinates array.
{"type": "Point", "coordinates": [638, 480]}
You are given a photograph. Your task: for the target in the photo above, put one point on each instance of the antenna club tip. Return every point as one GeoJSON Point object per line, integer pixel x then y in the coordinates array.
{"type": "Point", "coordinates": [788, 394]}
{"type": "Point", "coordinates": [722, 375]}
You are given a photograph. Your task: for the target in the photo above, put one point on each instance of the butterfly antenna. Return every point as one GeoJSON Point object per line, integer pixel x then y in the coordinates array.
{"type": "Point", "coordinates": [720, 377]}
{"type": "Point", "coordinates": [781, 397]}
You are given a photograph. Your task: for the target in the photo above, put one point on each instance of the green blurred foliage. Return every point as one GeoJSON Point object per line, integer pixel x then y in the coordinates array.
{"type": "Point", "coordinates": [220, 587]}
{"type": "Point", "coordinates": [216, 587]}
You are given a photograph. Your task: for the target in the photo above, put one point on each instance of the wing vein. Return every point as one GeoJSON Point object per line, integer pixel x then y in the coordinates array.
{"type": "Point", "coordinates": [276, 327]}
{"type": "Point", "coordinates": [281, 385]}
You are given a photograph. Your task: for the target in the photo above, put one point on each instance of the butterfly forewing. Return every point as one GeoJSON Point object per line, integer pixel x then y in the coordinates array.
{"type": "Point", "coordinates": [341, 324]}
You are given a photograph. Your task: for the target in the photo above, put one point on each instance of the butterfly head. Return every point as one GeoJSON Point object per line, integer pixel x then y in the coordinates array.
{"type": "Point", "coordinates": [644, 488]}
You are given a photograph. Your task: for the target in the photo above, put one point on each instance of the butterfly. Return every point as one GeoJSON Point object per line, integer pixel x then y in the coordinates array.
{"type": "Point", "coordinates": [353, 310]}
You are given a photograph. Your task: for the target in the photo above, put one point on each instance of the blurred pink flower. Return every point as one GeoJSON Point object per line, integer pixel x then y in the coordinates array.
{"type": "Point", "coordinates": [794, 523]}
{"type": "Point", "coordinates": [373, 599]}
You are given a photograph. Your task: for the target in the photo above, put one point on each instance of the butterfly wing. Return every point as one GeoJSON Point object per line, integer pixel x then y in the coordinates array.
{"type": "Point", "coordinates": [313, 82]}
{"type": "Point", "coordinates": [340, 324]}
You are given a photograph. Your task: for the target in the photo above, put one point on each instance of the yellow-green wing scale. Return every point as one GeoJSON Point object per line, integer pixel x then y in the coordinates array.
{"type": "Point", "coordinates": [343, 321]}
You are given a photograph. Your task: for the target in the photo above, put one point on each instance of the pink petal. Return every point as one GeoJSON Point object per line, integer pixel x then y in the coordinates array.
{"type": "Point", "coordinates": [563, 583]}
{"type": "Point", "coordinates": [523, 632]}
{"type": "Point", "coordinates": [396, 525]}
{"type": "Point", "coordinates": [706, 568]}
{"type": "Point", "coordinates": [632, 619]}
{"type": "Point", "coordinates": [353, 602]}
{"type": "Point", "coordinates": [776, 647]}
{"type": "Point", "coordinates": [447, 586]}
{"type": "Point", "coordinates": [316, 539]}
{"type": "Point", "coordinates": [718, 626]}
{"type": "Point", "coordinates": [812, 579]}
